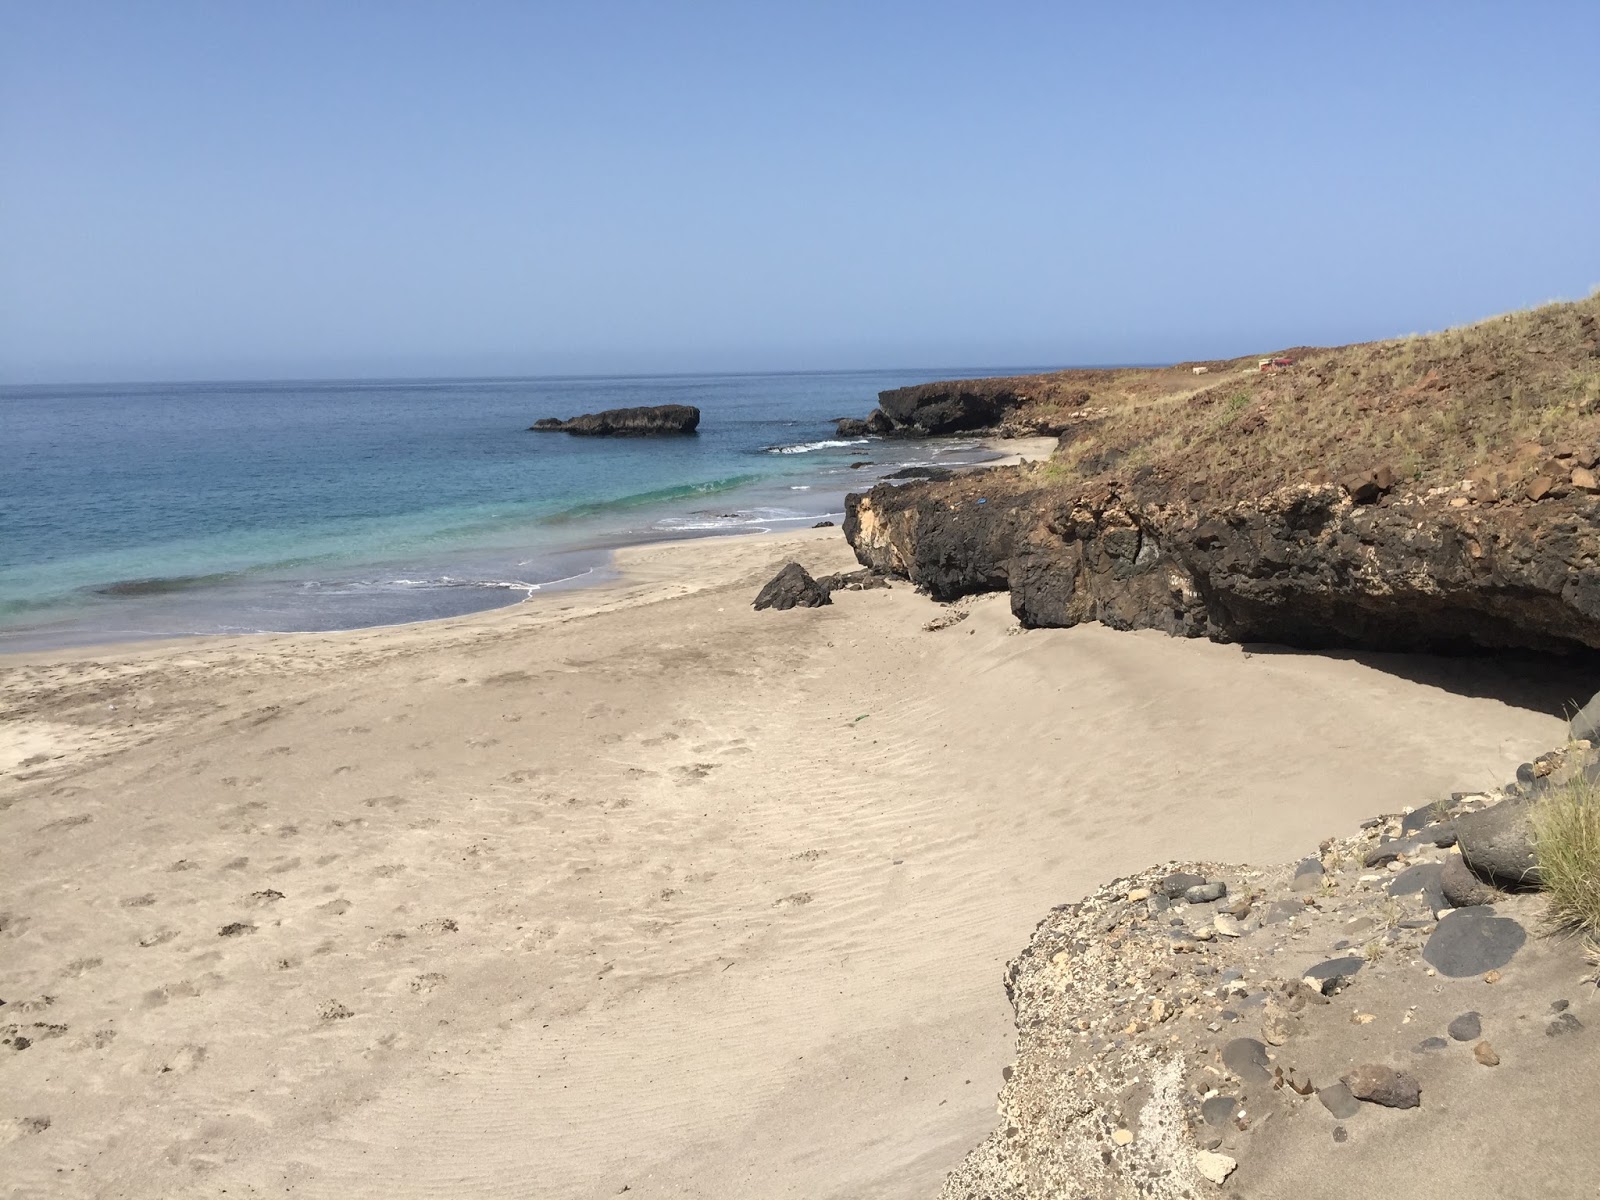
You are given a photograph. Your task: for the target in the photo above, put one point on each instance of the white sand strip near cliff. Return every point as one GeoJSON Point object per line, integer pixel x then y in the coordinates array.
{"type": "Point", "coordinates": [631, 888]}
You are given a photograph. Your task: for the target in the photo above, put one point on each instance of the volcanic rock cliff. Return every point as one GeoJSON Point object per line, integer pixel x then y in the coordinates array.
{"type": "Point", "coordinates": [1430, 493]}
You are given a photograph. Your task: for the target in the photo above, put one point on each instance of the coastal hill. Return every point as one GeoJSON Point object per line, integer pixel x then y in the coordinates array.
{"type": "Point", "coordinates": [1429, 492]}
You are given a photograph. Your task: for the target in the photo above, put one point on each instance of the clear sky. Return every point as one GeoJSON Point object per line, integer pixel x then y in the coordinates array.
{"type": "Point", "coordinates": [286, 189]}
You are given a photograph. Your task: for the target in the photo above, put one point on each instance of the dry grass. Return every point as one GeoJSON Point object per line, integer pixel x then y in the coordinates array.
{"type": "Point", "coordinates": [1494, 398]}
{"type": "Point", "coordinates": [1566, 838]}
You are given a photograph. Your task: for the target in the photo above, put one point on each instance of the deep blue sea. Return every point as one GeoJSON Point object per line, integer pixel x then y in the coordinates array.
{"type": "Point", "coordinates": [151, 510]}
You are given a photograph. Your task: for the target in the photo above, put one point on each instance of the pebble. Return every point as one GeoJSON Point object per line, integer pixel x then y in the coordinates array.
{"type": "Point", "coordinates": [1204, 893]}
{"type": "Point", "coordinates": [1485, 1054]}
{"type": "Point", "coordinates": [1219, 1110]}
{"type": "Point", "coordinates": [1332, 976]}
{"type": "Point", "coordinates": [1361, 1018]}
{"type": "Point", "coordinates": [1227, 926]}
{"type": "Point", "coordinates": [1378, 1084]}
{"type": "Point", "coordinates": [1340, 1133]}
{"type": "Point", "coordinates": [1176, 884]}
{"type": "Point", "coordinates": [1468, 1027]}
{"type": "Point", "coordinates": [1433, 1043]}
{"type": "Point", "coordinates": [1139, 894]}
{"type": "Point", "coordinates": [1215, 1167]}
{"type": "Point", "coordinates": [1122, 1137]}
{"type": "Point", "coordinates": [1247, 1058]}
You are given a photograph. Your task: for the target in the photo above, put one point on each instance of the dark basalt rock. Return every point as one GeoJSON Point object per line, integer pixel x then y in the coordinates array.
{"type": "Point", "coordinates": [1463, 889]}
{"type": "Point", "coordinates": [661, 420]}
{"type": "Point", "coordinates": [1247, 1058]}
{"type": "Point", "coordinates": [793, 587]}
{"type": "Point", "coordinates": [1497, 843]}
{"type": "Point", "coordinates": [1301, 566]}
{"type": "Point", "coordinates": [1471, 941]}
{"type": "Point", "coordinates": [951, 407]}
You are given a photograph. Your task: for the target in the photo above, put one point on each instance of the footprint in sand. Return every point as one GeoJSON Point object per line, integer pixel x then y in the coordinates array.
{"type": "Point", "coordinates": [284, 867]}
{"type": "Point", "coordinates": [236, 929]}
{"type": "Point", "coordinates": [236, 864]}
{"type": "Point", "coordinates": [388, 941]}
{"type": "Point", "coordinates": [693, 773]}
{"type": "Point", "coordinates": [144, 901]}
{"type": "Point", "coordinates": [384, 802]}
{"type": "Point", "coordinates": [423, 984]}
{"type": "Point", "coordinates": [79, 967]}
{"type": "Point", "coordinates": [793, 901]}
{"type": "Point", "coordinates": [65, 823]}
{"type": "Point", "coordinates": [336, 908]}
{"type": "Point", "coordinates": [263, 898]}
{"type": "Point", "coordinates": [159, 938]}
{"type": "Point", "coordinates": [186, 1060]}
{"type": "Point", "coordinates": [438, 925]}
{"type": "Point", "coordinates": [332, 1010]}
{"type": "Point", "coordinates": [660, 739]}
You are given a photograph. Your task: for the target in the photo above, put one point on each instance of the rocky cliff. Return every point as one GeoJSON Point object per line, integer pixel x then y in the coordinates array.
{"type": "Point", "coordinates": [654, 421]}
{"type": "Point", "coordinates": [1268, 507]}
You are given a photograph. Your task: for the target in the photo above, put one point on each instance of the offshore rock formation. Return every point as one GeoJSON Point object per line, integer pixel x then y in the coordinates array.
{"type": "Point", "coordinates": [654, 421]}
{"type": "Point", "coordinates": [1303, 565]}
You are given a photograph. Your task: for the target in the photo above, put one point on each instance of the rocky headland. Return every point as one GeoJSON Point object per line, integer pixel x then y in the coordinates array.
{"type": "Point", "coordinates": [659, 420]}
{"type": "Point", "coordinates": [1198, 1028]}
{"type": "Point", "coordinates": [1431, 493]}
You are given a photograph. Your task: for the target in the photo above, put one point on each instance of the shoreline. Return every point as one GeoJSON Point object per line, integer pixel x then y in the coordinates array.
{"type": "Point", "coordinates": [742, 882]}
{"type": "Point", "coordinates": [1005, 451]}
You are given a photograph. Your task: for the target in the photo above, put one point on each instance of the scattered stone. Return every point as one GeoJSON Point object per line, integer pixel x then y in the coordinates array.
{"type": "Point", "coordinates": [1468, 1027]}
{"type": "Point", "coordinates": [1485, 1054]}
{"type": "Point", "coordinates": [792, 587]}
{"type": "Point", "coordinates": [1471, 941]}
{"type": "Point", "coordinates": [1492, 977]}
{"type": "Point", "coordinates": [1564, 1023]}
{"type": "Point", "coordinates": [1219, 1110]}
{"type": "Point", "coordinates": [1204, 893]}
{"type": "Point", "coordinates": [1176, 884]}
{"type": "Point", "coordinates": [1307, 876]}
{"type": "Point", "coordinates": [823, 525]}
{"type": "Point", "coordinates": [1334, 975]}
{"type": "Point", "coordinates": [1122, 1137]}
{"type": "Point", "coordinates": [1215, 1167]}
{"type": "Point", "coordinates": [1461, 888]}
{"type": "Point", "coordinates": [1138, 894]}
{"type": "Point", "coordinates": [1341, 1134]}
{"type": "Point", "coordinates": [1378, 1084]}
{"type": "Point", "coordinates": [1227, 926]}
{"type": "Point", "coordinates": [1429, 1044]}
{"type": "Point", "coordinates": [1247, 1058]}
{"type": "Point", "coordinates": [1339, 1100]}
{"type": "Point", "coordinates": [1497, 843]}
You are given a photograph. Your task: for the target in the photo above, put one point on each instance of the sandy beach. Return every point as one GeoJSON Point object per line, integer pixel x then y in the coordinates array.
{"type": "Point", "coordinates": [624, 890]}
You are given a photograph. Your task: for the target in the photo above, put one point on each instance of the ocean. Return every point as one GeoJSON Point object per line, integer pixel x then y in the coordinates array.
{"type": "Point", "coordinates": [156, 510]}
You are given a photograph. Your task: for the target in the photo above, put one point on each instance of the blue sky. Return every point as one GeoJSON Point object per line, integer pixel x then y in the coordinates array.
{"type": "Point", "coordinates": [345, 189]}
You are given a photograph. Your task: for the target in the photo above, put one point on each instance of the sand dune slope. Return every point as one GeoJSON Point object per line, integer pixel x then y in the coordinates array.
{"type": "Point", "coordinates": [630, 889]}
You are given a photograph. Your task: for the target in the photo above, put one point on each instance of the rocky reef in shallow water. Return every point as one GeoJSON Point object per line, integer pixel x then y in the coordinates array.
{"type": "Point", "coordinates": [660, 420]}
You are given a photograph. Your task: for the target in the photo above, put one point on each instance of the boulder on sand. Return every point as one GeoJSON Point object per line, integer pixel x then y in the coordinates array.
{"type": "Point", "coordinates": [660, 420]}
{"type": "Point", "coordinates": [793, 587]}
{"type": "Point", "coordinates": [1497, 843]}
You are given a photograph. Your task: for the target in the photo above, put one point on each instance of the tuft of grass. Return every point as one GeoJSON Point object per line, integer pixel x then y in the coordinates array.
{"type": "Point", "coordinates": [1566, 840]}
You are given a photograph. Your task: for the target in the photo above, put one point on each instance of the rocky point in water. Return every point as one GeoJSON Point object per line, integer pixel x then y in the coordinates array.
{"type": "Point", "coordinates": [660, 420]}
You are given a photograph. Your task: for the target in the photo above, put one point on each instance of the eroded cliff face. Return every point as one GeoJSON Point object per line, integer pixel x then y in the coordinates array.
{"type": "Point", "coordinates": [1302, 565]}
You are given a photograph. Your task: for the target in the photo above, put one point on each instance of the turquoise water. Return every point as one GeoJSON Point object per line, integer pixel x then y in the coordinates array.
{"type": "Point", "coordinates": [150, 510]}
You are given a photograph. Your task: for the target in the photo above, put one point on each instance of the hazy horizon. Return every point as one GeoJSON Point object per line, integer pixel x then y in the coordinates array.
{"type": "Point", "coordinates": [360, 192]}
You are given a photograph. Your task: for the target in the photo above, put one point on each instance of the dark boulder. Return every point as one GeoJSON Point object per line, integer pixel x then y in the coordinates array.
{"type": "Point", "coordinates": [660, 420]}
{"type": "Point", "coordinates": [952, 407]}
{"type": "Point", "coordinates": [1463, 889]}
{"type": "Point", "coordinates": [793, 587]}
{"type": "Point", "coordinates": [1472, 941]}
{"type": "Point", "coordinates": [1497, 843]}
{"type": "Point", "coordinates": [850, 427]}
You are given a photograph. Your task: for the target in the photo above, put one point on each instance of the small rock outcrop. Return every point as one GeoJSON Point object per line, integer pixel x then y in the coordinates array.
{"type": "Point", "coordinates": [792, 587]}
{"type": "Point", "coordinates": [660, 420]}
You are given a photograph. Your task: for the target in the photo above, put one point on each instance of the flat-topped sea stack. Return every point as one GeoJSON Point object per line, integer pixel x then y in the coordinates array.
{"type": "Point", "coordinates": [659, 420]}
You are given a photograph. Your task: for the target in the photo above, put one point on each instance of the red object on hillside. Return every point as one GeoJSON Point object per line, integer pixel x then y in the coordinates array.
{"type": "Point", "coordinates": [1283, 361]}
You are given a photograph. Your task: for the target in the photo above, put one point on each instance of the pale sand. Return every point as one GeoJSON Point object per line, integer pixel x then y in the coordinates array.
{"type": "Point", "coordinates": [625, 888]}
